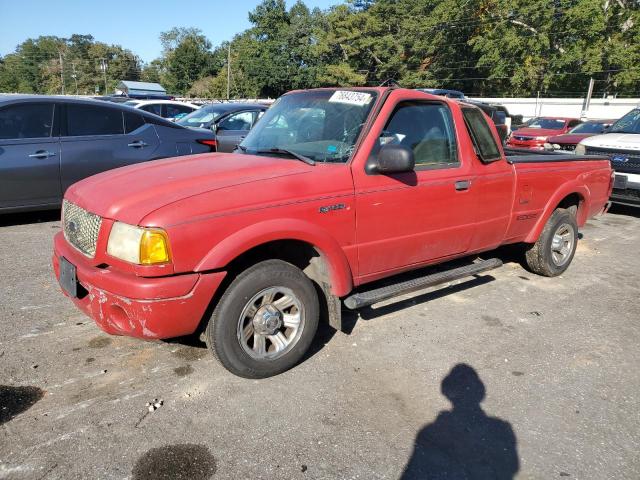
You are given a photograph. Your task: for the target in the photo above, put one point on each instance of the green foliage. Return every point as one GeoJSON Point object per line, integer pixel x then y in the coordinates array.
{"type": "Point", "coordinates": [483, 47]}
{"type": "Point", "coordinates": [45, 64]}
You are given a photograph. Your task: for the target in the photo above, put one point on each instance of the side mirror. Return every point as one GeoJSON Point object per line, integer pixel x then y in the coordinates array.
{"type": "Point", "coordinates": [392, 159]}
{"type": "Point", "coordinates": [214, 127]}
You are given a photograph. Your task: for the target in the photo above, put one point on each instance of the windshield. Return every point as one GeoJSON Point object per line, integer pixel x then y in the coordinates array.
{"type": "Point", "coordinates": [322, 125]}
{"type": "Point", "coordinates": [547, 123]}
{"type": "Point", "coordinates": [588, 127]}
{"type": "Point", "coordinates": [203, 117]}
{"type": "Point", "coordinates": [630, 123]}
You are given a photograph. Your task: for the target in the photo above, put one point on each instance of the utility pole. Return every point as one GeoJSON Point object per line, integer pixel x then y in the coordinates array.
{"type": "Point", "coordinates": [103, 66]}
{"type": "Point", "coordinates": [587, 100]}
{"type": "Point", "coordinates": [228, 68]}
{"type": "Point", "coordinates": [74, 76]}
{"type": "Point", "coordinates": [61, 71]}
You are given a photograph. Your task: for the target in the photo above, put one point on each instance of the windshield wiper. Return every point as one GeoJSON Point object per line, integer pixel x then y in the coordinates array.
{"type": "Point", "coordinates": [291, 153]}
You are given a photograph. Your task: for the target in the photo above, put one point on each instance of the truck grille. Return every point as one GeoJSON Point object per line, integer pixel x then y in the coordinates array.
{"type": "Point", "coordinates": [81, 228]}
{"type": "Point", "coordinates": [622, 161]}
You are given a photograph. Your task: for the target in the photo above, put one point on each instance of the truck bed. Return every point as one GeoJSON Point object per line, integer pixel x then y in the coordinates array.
{"type": "Point", "coordinates": [523, 155]}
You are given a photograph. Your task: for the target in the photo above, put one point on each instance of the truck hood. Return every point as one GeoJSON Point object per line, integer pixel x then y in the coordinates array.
{"type": "Point", "coordinates": [129, 193]}
{"type": "Point", "coordinates": [536, 132]}
{"type": "Point", "coordinates": [569, 138]}
{"type": "Point", "coordinates": [615, 141]}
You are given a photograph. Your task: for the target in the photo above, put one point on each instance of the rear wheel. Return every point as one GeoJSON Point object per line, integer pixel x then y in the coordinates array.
{"type": "Point", "coordinates": [553, 252]}
{"type": "Point", "coordinates": [265, 321]}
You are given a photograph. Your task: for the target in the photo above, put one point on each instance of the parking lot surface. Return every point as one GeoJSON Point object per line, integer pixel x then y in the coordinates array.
{"type": "Point", "coordinates": [504, 375]}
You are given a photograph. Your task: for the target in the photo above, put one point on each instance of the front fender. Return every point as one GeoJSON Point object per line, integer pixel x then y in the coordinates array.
{"type": "Point", "coordinates": [284, 229]}
{"type": "Point", "coordinates": [565, 190]}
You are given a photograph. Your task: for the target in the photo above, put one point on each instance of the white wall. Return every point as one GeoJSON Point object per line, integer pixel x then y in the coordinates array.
{"type": "Point", "coordinates": [566, 107]}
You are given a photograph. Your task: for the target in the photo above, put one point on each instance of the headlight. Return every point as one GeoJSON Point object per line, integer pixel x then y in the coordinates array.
{"type": "Point", "coordinates": [548, 146]}
{"type": "Point", "coordinates": [143, 246]}
{"type": "Point", "coordinates": [580, 149]}
{"type": "Point", "coordinates": [541, 138]}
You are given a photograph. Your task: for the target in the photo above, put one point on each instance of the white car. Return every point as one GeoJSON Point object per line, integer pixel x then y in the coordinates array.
{"type": "Point", "coordinates": [169, 109]}
{"type": "Point", "coordinates": [621, 144]}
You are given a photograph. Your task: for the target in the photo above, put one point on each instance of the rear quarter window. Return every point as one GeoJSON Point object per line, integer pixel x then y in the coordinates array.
{"type": "Point", "coordinates": [481, 135]}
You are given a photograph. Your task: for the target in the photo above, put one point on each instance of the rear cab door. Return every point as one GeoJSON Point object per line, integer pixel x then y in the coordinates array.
{"type": "Point", "coordinates": [494, 181]}
{"type": "Point", "coordinates": [29, 154]}
{"type": "Point", "coordinates": [99, 137]}
{"type": "Point", "coordinates": [418, 217]}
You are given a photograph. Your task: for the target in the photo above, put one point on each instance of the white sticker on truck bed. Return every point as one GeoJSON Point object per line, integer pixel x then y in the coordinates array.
{"type": "Point", "coordinates": [352, 98]}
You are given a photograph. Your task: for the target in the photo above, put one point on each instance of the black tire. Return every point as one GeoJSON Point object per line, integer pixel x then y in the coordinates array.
{"type": "Point", "coordinates": [540, 256]}
{"type": "Point", "coordinates": [222, 332]}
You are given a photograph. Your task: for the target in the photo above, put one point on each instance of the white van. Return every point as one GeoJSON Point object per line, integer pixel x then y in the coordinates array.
{"type": "Point", "coordinates": [621, 144]}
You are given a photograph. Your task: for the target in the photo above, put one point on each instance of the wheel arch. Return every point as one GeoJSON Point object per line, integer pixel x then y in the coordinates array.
{"type": "Point", "coordinates": [286, 240]}
{"type": "Point", "coordinates": [572, 196]}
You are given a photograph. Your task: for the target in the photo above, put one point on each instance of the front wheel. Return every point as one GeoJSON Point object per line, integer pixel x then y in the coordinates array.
{"type": "Point", "coordinates": [552, 253]}
{"type": "Point", "coordinates": [265, 321]}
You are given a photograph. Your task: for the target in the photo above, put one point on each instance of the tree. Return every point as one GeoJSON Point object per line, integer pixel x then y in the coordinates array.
{"type": "Point", "coordinates": [186, 57]}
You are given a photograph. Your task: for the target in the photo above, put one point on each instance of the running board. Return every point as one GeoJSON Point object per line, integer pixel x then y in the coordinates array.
{"type": "Point", "coordinates": [363, 299]}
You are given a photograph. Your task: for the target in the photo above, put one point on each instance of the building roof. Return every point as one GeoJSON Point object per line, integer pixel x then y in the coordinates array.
{"type": "Point", "coordinates": [141, 86]}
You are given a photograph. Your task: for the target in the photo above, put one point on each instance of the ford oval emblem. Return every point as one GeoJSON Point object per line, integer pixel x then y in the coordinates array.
{"type": "Point", "coordinates": [72, 226]}
{"type": "Point", "coordinates": [619, 158]}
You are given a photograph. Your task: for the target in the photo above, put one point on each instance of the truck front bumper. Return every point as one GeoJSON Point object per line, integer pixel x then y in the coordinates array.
{"type": "Point", "coordinates": [626, 189]}
{"type": "Point", "coordinates": [125, 304]}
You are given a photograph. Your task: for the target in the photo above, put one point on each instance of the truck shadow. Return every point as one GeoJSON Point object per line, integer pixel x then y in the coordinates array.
{"type": "Point", "coordinates": [25, 218]}
{"type": "Point", "coordinates": [464, 442]}
{"type": "Point", "coordinates": [350, 317]}
{"type": "Point", "coordinates": [617, 209]}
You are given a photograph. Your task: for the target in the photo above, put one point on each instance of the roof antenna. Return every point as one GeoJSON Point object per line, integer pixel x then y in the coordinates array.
{"type": "Point", "coordinates": [390, 82]}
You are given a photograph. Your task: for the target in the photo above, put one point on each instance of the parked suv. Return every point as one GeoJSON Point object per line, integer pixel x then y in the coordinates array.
{"type": "Point", "coordinates": [621, 144]}
{"type": "Point", "coordinates": [498, 114]}
{"type": "Point", "coordinates": [48, 143]}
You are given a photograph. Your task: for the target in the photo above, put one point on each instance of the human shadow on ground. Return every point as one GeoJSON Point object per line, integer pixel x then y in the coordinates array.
{"type": "Point", "coordinates": [464, 443]}
{"type": "Point", "coordinates": [15, 400]}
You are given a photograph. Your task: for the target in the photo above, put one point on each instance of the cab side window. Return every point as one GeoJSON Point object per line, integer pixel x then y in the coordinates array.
{"type": "Point", "coordinates": [481, 135]}
{"type": "Point", "coordinates": [574, 123]}
{"type": "Point", "coordinates": [93, 120]}
{"type": "Point", "coordinates": [425, 128]}
{"type": "Point", "coordinates": [237, 121]}
{"type": "Point", "coordinates": [26, 121]}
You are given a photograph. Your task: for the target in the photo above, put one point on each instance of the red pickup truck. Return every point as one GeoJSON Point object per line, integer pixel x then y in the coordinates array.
{"type": "Point", "coordinates": [331, 191]}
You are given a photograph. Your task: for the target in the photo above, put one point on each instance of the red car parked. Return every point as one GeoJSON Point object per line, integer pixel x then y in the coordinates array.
{"type": "Point", "coordinates": [332, 190]}
{"type": "Point", "coordinates": [536, 134]}
{"type": "Point", "coordinates": [569, 140]}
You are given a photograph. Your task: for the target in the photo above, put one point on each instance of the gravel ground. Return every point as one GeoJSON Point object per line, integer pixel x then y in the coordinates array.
{"type": "Point", "coordinates": [508, 375]}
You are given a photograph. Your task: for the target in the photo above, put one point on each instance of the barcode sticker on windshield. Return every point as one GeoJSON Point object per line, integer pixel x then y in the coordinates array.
{"type": "Point", "coordinates": [351, 97]}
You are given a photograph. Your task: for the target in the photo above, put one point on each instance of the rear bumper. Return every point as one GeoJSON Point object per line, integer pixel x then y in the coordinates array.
{"type": "Point", "coordinates": [125, 304]}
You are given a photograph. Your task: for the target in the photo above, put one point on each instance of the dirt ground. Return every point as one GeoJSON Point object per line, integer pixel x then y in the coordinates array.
{"type": "Point", "coordinates": [507, 375]}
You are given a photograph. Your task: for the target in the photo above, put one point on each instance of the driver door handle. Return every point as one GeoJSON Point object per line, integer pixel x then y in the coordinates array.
{"type": "Point", "coordinates": [137, 144]}
{"type": "Point", "coordinates": [463, 185]}
{"type": "Point", "coordinates": [42, 154]}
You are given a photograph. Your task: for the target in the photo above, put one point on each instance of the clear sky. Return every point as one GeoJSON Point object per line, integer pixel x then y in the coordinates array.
{"type": "Point", "coordinates": [134, 24]}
